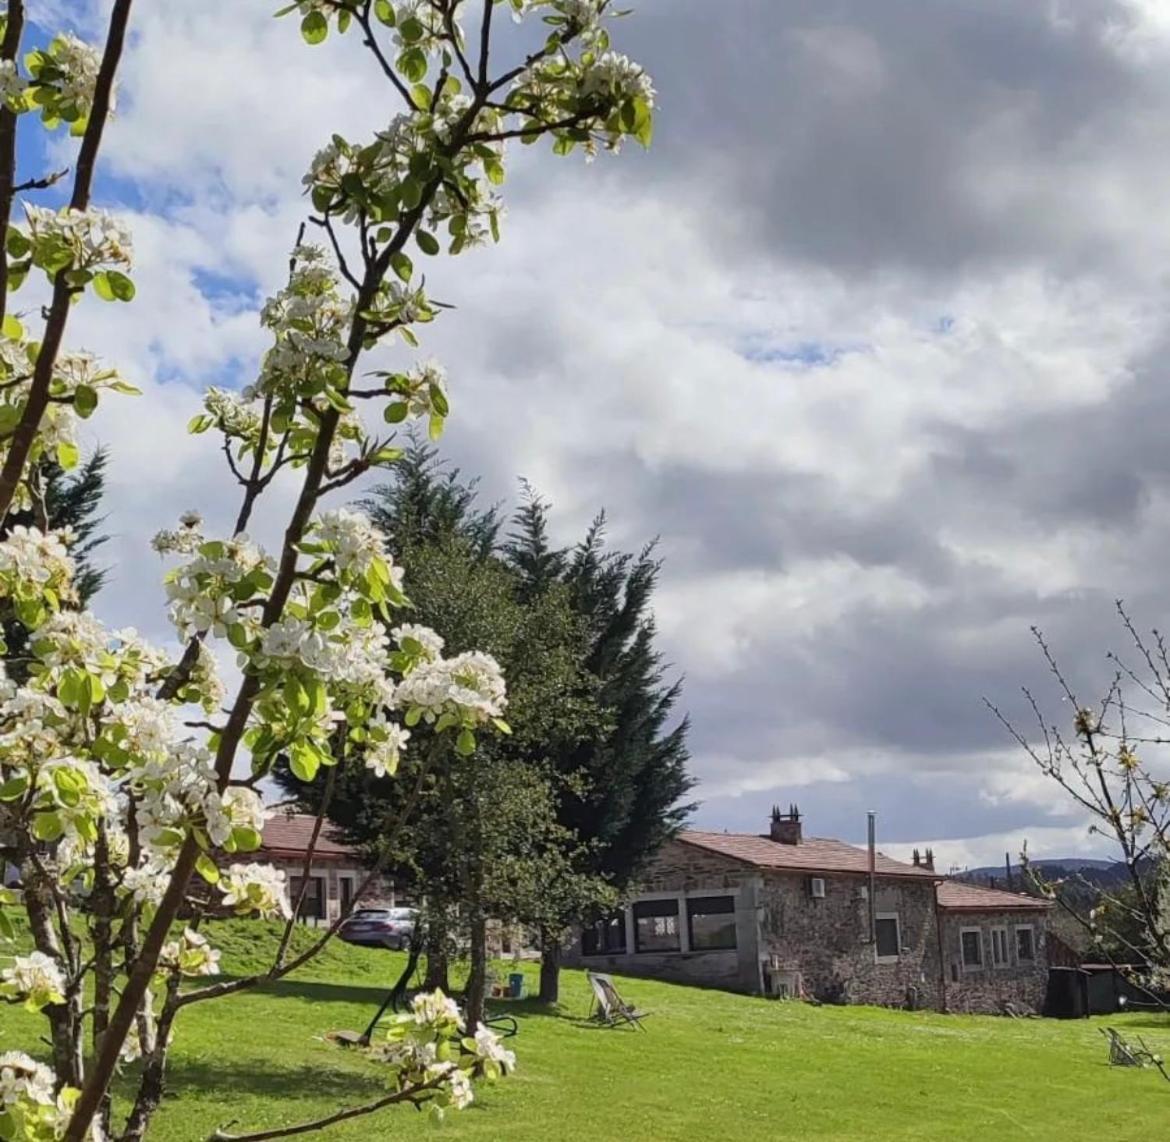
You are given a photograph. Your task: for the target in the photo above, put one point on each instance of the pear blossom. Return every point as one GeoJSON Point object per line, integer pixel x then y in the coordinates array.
{"type": "Point", "coordinates": [36, 978]}
{"type": "Point", "coordinates": [257, 888]}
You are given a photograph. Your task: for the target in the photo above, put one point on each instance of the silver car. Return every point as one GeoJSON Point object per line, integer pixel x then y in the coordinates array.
{"type": "Point", "coordinates": [379, 927]}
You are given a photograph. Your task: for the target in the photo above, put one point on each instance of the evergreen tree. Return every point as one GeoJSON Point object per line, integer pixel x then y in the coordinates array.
{"type": "Point", "coordinates": [630, 780]}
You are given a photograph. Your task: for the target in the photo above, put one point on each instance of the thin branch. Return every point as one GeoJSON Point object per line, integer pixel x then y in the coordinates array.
{"type": "Point", "coordinates": [63, 293]}
{"type": "Point", "coordinates": [411, 1095]}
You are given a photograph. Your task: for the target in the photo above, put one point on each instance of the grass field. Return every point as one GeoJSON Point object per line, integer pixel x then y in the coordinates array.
{"type": "Point", "coordinates": [712, 1066]}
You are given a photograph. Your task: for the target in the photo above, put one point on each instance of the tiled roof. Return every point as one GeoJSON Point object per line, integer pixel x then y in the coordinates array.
{"type": "Point", "coordinates": [954, 895]}
{"type": "Point", "coordinates": [812, 854]}
{"type": "Point", "coordinates": [290, 833]}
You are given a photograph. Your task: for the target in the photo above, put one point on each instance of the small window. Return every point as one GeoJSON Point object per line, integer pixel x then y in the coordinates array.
{"type": "Point", "coordinates": [888, 938]}
{"type": "Point", "coordinates": [999, 947]}
{"type": "Point", "coordinates": [656, 926]}
{"type": "Point", "coordinates": [712, 921]}
{"type": "Point", "coordinates": [1025, 945]}
{"type": "Point", "coordinates": [606, 936]}
{"type": "Point", "coordinates": [971, 940]}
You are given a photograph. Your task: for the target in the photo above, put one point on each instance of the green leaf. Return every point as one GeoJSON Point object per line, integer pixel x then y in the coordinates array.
{"type": "Point", "coordinates": [384, 11]}
{"type": "Point", "coordinates": [314, 28]}
{"type": "Point", "coordinates": [47, 826]}
{"type": "Point", "coordinates": [402, 266]}
{"type": "Point", "coordinates": [411, 29]}
{"type": "Point", "coordinates": [395, 413]}
{"type": "Point", "coordinates": [68, 455]}
{"type": "Point", "coordinates": [435, 427]}
{"type": "Point", "coordinates": [85, 401]}
{"type": "Point", "coordinates": [207, 868]}
{"type": "Point", "coordinates": [14, 787]}
{"type": "Point", "coordinates": [494, 169]}
{"type": "Point", "coordinates": [245, 839]}
{"type": "Point", "coordinates": [122, 286]}
{"type": "Point", "coordinates": [413, 64]}
{"type": "Point", "coordinates": [12, 329]}
{"type": "Point", "coordinates": [427, 242]}
{"type": "Point", "coordinates": [465, 743]}
{"type": "Point", "coordinates": [102, 286]}
{"type": "Point", "coordinates": [501, 725]}
{"type": "Point", "coordinates": [421, 94]}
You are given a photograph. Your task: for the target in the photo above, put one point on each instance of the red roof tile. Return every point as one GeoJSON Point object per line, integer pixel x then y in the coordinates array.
{"type": "Point", "coordinates": [812, 854]}
{"type": "Point", "coordinates": [955, 896]}
{"type": "Point", "coordinates": [290, 833]}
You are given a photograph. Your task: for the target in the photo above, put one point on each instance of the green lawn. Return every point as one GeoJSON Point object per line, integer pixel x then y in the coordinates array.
{"type": "Point", "coordinates": [711, 1066]}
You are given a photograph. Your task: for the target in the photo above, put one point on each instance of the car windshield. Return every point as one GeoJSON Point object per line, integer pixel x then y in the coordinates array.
{"type": "Point", "coordinates": [371, 914]}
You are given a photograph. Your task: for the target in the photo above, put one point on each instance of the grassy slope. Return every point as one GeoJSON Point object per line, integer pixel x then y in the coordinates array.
{"type": "Point", "coordinates": [711, 1066]}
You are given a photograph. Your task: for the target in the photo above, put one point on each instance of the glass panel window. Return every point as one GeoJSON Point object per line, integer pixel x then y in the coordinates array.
{"type": "Point", "coordinates": [999, 947]}
{"type": "Point", "coordinates": [888, 938]}
{"type": "Point", "coordinates": [656, 927]}
{"type": "Point", "coordinates": [972, 942]}
{"type": "Point", "coordinates": [606, 936]}
{"type": "Point", "coordinates": [712, 921]}
{"type": "Point", "coordinates": [1025, 946]}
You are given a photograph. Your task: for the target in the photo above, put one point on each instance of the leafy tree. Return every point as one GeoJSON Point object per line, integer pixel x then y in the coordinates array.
{"type": "Point", "coordinates": [627, 798]}
{"type": "Point", "coordinates": [97, 752]}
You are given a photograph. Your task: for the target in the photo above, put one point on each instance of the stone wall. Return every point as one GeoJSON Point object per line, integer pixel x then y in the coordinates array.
{"type": "Point", "coordinates": [988, 988]}
{"type": "Point", "coordinates": [380, 891]}
{"type": "Point", "coordinates": [682, 871]}
{"type": "Point", "coordinates": [827, 940]}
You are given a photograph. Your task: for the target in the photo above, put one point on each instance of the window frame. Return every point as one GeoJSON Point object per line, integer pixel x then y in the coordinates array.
{"type": "Point", "coordinates": [678, 924]}
{"type": "Point", "coordinates": [1031, 930]}
{"type": "Point", "coordinates": [1000, 930]}
{"type": "Point", "coordinates": [897, 919]}
{"type": "Point", "coordinates": [602, 925]}
{"type": "Point", "coordinates": [982, 964]}
{"type": "Point", "coordinates": [699, 900]}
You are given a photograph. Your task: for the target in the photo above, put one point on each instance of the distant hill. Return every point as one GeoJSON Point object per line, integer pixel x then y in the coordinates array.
{"type": "Point", "coordinates": [1081, 873]}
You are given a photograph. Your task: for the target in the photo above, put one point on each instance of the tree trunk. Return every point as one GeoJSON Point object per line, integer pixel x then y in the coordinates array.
{"type": "Point", "coordinates": [437, 959]}
{"type": "Point", "coordinates": [477, 980]}
{"type": "Point", "coordinates": [550, 966]}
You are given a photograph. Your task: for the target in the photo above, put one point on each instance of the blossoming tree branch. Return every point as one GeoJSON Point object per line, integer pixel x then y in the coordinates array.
{"type": "Point", "coordinates": [128, 773]}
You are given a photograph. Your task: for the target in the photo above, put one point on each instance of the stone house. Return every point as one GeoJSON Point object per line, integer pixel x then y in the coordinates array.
{"type": "Point", "coordinates": [785, 914]}
{"type": "Point", "coordinates": [336, 872]}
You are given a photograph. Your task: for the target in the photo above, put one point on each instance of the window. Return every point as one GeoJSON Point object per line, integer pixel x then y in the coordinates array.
{"type": "Point", "coordinates": [1025, 945]}
{"type": "Point", "coordinates": [999, 947]}
{"type": "Point", "coordinates": [712, 921]}
{"type": "Point", "coordinates": [656, 926]}
{"type": "Point", "coordinates": [313, 906]}
{"type": "Point", "coordinates": [888, 937]}
{"type": "Point", "coordinates": [971, 941]}
{"type": "Point", "coordinates": [345, 884]}
{"type": "Point", "coordinates": [606, 936]}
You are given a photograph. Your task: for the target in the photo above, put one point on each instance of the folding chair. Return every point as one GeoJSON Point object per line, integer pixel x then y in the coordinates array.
{"type": "Point", "coordinates": [608, 1007]}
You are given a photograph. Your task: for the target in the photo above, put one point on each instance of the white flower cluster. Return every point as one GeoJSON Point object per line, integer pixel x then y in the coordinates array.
{"type": "Point", "coordinates": [311, 321]}
{"type": "Point", "coordinates": [352, 539]}
{"type": "Point", "coordinates": [31, 556]}
{"type": "Point", "coordinates": [28, 1098]}
{"type": "Point", "coordinates": [12, 84]}
{"type": "Point", "coordinates": [237, 808]}
{"type": "Point", "coordinates": [204, 592]}
{"type": "Point", "coordinates": [429, 644]}
{"type": "Point", "coordinates": [94, 238]}
{"type": "Point", "coordinates": [147, 883]}
{"type": "Point", "coordinates": [256, 888]}
{"type": "Point", "coordinates": [385, 742]}
{"type": "Point", "coordinates": [79, 63]}
{"type": "Point", "coordinates": [36, 979]}
{"type": "Point", "coordinates": [618, 76]}
{"type": "Point", "coordinates": [192, 955]}
{"type": "Point", "coordinates": [469, 686]}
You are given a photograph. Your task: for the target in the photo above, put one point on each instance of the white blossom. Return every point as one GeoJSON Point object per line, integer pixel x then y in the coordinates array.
{"type": "Point", "coordinates": [256, 888]}
{"type": "Point", "coordinates": [35, 978]}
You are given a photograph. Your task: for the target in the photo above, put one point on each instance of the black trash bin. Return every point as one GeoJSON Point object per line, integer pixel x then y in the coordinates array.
{"type": "Point", "coordinates": [1068, 994]}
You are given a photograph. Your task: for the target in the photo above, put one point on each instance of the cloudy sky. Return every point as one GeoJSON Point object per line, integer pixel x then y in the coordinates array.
{"type": "Point", "coordinates": [873, 339]}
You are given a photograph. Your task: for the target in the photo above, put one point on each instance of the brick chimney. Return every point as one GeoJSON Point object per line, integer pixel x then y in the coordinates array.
{"type": "Point", "coordinates": [786, 826]}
